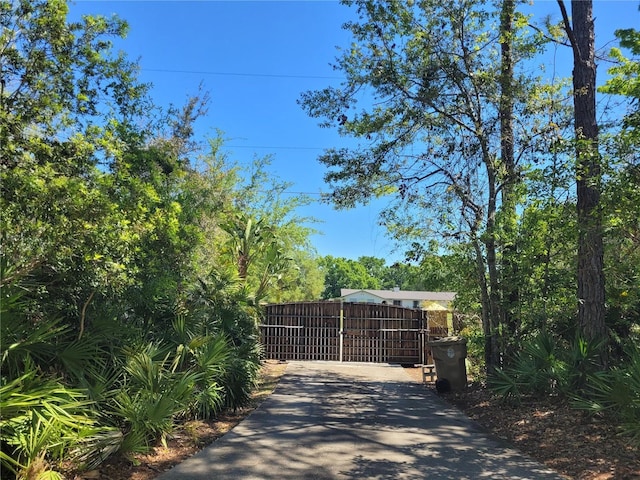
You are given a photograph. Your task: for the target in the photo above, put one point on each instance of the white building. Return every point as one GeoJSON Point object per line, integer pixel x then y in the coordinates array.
{"type": "Point", "coordinates": [404, 298]}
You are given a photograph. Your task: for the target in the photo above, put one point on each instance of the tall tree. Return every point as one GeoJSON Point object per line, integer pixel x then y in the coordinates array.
{"type": "Point", "coordinates": [512, 178]}
{"type": "Point", "coordinates": [62, 89]}
{"type": "Point", "coordinates": [266, 236]}
{"type": "Point", "coordinates": [58, 77]}
{"type": "Point", "coordinates": [591, 284]}
{"type": "Point", "coordinates": [434, 129]}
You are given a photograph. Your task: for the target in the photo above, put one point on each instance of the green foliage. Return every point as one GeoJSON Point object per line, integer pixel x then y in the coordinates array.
{"type": "Point", "coordinates": [43, 422]}
{"type": "Point", "coordinates": [620, 197]}
{"type": "Point", "coordinates": [616, 393]}
{"type": "Point", "coordinates": [432, 97]}
{"type": "Point", "coordinates": [546, 365]}
{"type": "Point", "coordinates": [25, 339]}
{"type": "Point", "coordinates": [151, 396]}
{"type": "Point", "coordinates": [433, 273]}
{"type": "Point", "coordinates": [106, 223]}
{"type": "Point", "coordinates": [625, 75]}
{"type": "Point", "coordinates": [224, 327]}
{"type": "Point", "coordinates": [472, 331]}
{"type": "Point", "coordinates": [266, 240]}
{"type": "Point", "coordinates": [547, 246]}
{"type": "Point", "coordinates": [210, 362]}
{"type": "Point", "coordinates": [57, 75]}
{"type": "Point", "coordinates": [109, 218]}
{"type": "Point", "coordinates": [345, 273]}
{"type": "Point", "coordinates": [241, 376]}
{"type": "Point", "coordinates": [205, 354]}
{"type": "Point", "coordinates": [303, 282]}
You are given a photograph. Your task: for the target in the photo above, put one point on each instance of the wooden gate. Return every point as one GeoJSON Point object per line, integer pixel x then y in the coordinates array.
{"type": "Point", "coordinates": [350, 332]}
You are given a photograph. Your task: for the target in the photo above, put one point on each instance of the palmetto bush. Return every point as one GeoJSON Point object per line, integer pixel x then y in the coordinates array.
{"type": "Point", "coordinates": [210, 360]}
{"type": "Point", "coordinates": [226, 372]}
{"type": "Point", "coordinates": [195, 376]}
{"type": "Point", "coordinates": [80, 398]}
{"type": "Point", "coordinates": [546, 365]}
{"type": "Point", "coordinates": [241, 375]}
{"type": "Point", "coordinates": [150, 396]}
{"type": "Point", "coordinates": [42, 419]}
{"type": "Point", "coordinates": [616, 393]}
{"type": "Point", "coordinates": [42, 423]}
{"type": "Point", "coordinates": [26, 335]}
{"type": "Point", "coordinates": [229, 353]}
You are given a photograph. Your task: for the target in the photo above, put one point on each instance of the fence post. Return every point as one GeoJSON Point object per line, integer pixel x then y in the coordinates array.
{"type": "Point", "coordinates": [423, 330]}
{"type": "Point", "coordinates": [341, 330]}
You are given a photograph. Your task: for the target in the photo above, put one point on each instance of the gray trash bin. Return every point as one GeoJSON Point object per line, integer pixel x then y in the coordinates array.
{"type": "Point", "coordinates": [449, 355]}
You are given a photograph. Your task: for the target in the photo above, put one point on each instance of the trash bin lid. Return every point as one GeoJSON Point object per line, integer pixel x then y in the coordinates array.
{"type": "Point", "coordinates": [448, 341]}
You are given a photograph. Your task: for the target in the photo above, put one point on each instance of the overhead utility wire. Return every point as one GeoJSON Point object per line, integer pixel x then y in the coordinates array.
{"type": "Point", "coordinates": [237, 74]}
{"type": "Point", "coordinates": [274, 148]}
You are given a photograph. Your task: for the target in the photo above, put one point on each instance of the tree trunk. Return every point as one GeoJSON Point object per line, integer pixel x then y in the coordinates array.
{"type": "Point", "coordinates": [495, 311]}
{"type": "Point", "coordinates": [591, 288]}
{"type": "Point", "coordinates": [490, 344]}
{"type": "Point", "coordinates": [510, 289]}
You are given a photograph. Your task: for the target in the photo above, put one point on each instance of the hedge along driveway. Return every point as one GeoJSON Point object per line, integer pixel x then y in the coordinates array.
{"type": "Point", "coordinates": [356, 421]}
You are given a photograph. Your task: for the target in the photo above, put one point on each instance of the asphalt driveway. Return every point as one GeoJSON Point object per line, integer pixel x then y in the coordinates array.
{"type": "Point", "coordinates": [356, 421]}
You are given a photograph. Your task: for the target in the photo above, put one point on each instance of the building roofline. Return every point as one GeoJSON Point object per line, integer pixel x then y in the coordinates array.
{"type": "Point", "coordinates": [401, 294]}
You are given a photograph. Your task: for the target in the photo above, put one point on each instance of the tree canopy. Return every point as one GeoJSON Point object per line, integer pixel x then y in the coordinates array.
{"type": "Point", "coordinates": [458, 127]}
{"type": "Point", "coordinates": [134, 256]}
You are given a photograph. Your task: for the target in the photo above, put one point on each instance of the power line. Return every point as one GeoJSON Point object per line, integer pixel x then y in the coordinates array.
{"type": "Point", "coordinates": [273, 148]}
{"type": "Point", "coordinates": [303, 193]}
{"type": "Point", "coordinates": [238, 74]}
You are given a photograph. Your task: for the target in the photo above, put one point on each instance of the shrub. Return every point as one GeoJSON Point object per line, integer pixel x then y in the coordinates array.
{"type": "Point", "coordinates": [150, 397]}
{"type": "Point", "coordinates": [241, 375]}
{"type": "Point", "coordinates": [616, 392]}
{"type": "Point", "coordinates": [43, 423]}
{"type": "Point", "coordinates": [546, 365]}
{"type": "Point", "coordinates": [475, 349]}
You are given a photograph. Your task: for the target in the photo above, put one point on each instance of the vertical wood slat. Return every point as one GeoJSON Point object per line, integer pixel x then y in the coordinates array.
{"type": "Point", "coordinates": [372, 332]}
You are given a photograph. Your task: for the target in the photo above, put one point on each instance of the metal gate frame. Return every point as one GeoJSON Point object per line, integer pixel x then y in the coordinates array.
{"type": "Point", "coordinates": [345, 332]}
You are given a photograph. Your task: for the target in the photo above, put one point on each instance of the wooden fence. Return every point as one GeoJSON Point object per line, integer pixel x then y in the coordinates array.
{"type": "Point", "coordinates": [350, 332]}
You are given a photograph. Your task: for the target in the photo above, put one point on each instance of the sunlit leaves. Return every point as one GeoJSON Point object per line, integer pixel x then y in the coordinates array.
{"type": "Point", "coordinates": [345, 273]}
{"type": "Point", "coordinates": [625, 75]}
{"type": "Point", "coordinates": [108, 220]}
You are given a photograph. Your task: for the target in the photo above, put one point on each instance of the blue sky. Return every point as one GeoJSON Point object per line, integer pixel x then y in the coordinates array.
{"type": "Point", "coordinates": [255, 59]}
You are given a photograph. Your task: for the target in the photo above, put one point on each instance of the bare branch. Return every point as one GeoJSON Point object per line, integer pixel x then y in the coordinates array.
{"type": "Point", "coordinates": [569, 30]}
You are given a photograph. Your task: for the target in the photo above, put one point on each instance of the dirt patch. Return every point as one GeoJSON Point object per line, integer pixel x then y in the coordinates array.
{"type": "Point", "coordinates": [188, 438]}
{"type": "Point", "coordinates": [575, 444]}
